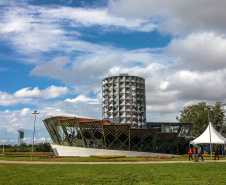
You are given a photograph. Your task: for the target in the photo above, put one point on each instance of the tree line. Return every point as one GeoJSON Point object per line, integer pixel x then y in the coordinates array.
{"type": "Point", "coordinates": [24, 147]}
{"type": "Point", "coordinates": [198, 115]}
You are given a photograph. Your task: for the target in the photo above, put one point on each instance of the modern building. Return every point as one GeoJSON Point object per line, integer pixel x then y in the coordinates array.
{"type": "Point", "coordinates": [123, 129]}
{"type": "Point", "coordinates": [124, 100]}
{"type": "Point", "coordinates": [85, 137]}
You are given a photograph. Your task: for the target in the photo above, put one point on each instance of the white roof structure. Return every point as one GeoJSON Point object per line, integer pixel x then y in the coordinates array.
{"type": "Point", "coordinates": [204, 138]}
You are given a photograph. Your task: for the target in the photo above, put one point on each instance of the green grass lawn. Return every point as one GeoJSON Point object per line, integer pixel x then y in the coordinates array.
{"type": "Point", "coordinates": [189, 173]}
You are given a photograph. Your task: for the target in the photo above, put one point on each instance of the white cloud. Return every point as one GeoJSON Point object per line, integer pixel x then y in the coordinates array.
{"type": "Point", "coordinates": [35, 29]}
{"type": "Point", "coordinates": [8, 99]}
{"type": "Point", "coordinates": [85, 17]}
{"type": "Point", "coordinates": [48, 93]}
{"type": "Point", "coordinates": [88, 73]}
{"type": "Point", "coordinates": [9, 116]}
{"type": "Point", "coordinates": [98, 65]}
{"type": "Point", "coordinates": [27, 96]}
{"type": "Point", "coordinates": [162, 108]}
{"type": "Point", "coordinates": [25, 111]}
{"type": "Point", "coordinates": [83, 98]}
{"type": "Point", "coordinates": [199, 86]}
{"type": "Point", "coordinates": [26, 92]}
{"type": "Point", "coordinates": [89, 70]}
{"type": "Point", "coordinates": [176, 16]}
{"type": "Point", "coordinates": [14, 120]}
{"type": "Point", "coordinates": [199, 52]}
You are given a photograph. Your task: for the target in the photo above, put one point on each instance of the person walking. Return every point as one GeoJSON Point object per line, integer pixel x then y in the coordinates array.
{"type": "Point", "coordinates": [190, 154]}
{"type": "Point", "coordinates": [194, 152]}
{"type": "Point", "coordinates": [222, 149]}
{"type": "Point", "coordinates": [196, 159]}
{"type": "Point", "coordinates": [210, 149]}
{"type": "Point", "coordinates": [200, 153]}
{"type": "Point", "coordinates": [204, 149]}
{"type": "Point", "coordinates": [207, 149]}
{"type": "Point", "coordinates": [216, 150]}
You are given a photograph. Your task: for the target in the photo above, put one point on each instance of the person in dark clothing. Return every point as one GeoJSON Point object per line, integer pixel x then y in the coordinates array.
{"type": "Point", "coordinates": [200, 153]}
{"type": "Point", "coordinates": [222, 149]}
{"type": "Point", "coordinates": [196, 159]}
{"type": "Point", "coordinates": [216, 149]}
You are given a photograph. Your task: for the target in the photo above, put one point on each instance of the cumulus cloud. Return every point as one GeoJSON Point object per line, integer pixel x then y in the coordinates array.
{"type": "Point", "coordinates": [89, 70]}
{"type": "Point", "coordinates": [199, 52]}
{"type": "Point", "coordinates": [98, 65]}
{"type": "Point", "coordinates": [27, 95]}
{"type": "Point", "coordinates": [48, 93]}
{"type": "Point", "coordinates": [25, 111]}
{"type": "Point", "coordinates": [83, 98]}
{"type": "Point", "coordinates": [199, 86]}
{"type": "Point", "coordinates": [176, 16]}
{"type": "Point", "coordinates": [7, 99]}
{"type": "Point", "coordinates": [165, 83]}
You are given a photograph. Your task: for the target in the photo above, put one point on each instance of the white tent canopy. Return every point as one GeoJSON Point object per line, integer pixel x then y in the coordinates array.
{"type": "Point", "coordinates": [204, 138]}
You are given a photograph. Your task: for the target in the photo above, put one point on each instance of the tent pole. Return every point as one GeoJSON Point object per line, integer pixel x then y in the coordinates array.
{"type": "Point", "coordinates": [210, 133]}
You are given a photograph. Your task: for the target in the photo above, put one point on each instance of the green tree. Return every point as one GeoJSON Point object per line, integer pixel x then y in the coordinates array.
{"type": "Point", "coordinates": [44, 147]}
{"type": "Point", "coordinates": [198, 115]}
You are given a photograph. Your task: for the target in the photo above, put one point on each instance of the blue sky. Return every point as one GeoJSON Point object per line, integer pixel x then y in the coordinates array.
{"type": "Point", "coordinates": [54, 55]}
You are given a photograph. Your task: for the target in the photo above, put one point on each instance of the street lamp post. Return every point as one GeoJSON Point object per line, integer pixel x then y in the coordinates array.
{"type": "Point", "coordinates": [4, 142]}
{"type": "Point", "coordinates": [210, 132]}
{"type": "Point", "coordinates": [35, 113]}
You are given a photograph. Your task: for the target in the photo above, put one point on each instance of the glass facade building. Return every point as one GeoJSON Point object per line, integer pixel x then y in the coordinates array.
{"type": "Point", "coordinates": [124, 100]}
{"type": "Point", "coordinates": [183, 129]}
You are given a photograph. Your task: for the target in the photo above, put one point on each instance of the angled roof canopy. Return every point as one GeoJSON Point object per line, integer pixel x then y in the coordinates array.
{"type": "Point", "coordinates": [204, 138]}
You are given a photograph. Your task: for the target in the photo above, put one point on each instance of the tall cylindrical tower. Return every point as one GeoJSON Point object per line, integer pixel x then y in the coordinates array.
{"type": "Point", "coordinates": [124, 100]}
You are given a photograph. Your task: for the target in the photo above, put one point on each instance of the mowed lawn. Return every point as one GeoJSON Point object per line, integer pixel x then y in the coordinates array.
{"type": "Point", "coordinates": [182, 173]}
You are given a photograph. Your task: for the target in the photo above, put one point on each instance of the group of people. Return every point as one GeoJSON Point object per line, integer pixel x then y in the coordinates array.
{"type": "Point", "coordinates": [197, 151]}
{"type": "Point", "coordinates": [207, 149]}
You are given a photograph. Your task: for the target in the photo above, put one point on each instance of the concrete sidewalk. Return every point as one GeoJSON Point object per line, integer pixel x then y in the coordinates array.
{"type": "Point", "coordinates": [138, 162]}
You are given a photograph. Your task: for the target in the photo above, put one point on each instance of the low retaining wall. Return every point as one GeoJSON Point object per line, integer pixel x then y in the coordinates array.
{"type": "Point", "coordinates": [60, 150]}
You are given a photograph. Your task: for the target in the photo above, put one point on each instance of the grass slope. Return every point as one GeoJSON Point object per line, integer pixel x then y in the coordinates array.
{"type": "Point", "coordinates": [189, 173]}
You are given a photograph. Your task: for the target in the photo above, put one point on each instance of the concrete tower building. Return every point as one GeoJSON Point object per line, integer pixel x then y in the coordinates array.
{"type": "Point", "coordinates": [124, 100]}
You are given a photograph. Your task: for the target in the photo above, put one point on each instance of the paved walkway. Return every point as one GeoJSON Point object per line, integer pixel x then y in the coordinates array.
{"type": "Point", "coordinates": [135, 162]}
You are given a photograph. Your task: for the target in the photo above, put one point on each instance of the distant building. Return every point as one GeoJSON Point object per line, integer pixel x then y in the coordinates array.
{"type": "Point", "coordinates": [124, 100]}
